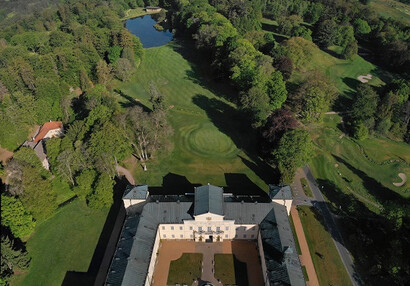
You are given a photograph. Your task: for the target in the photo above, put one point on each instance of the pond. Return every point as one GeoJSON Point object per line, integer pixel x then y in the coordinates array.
{"type": "Point", "coordinates": [143, 28]}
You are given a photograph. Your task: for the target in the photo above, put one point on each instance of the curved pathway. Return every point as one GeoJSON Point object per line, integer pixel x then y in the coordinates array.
{"type": "Point", "coordinates": [403, 178]}
{"type": "Point", "coordinates": [126, 173]}
{"type": "Point", "coordinates": [305, 258]}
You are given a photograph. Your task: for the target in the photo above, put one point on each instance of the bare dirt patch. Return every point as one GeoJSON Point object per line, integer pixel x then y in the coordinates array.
{"type": "Point", "coordinates": [5, 155]}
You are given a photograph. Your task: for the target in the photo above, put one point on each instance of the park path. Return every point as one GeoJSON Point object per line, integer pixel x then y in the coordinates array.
{"type": "Point", "coordinates": [126, 173]}
{"type": "Point", "coordinates": [305, 258]}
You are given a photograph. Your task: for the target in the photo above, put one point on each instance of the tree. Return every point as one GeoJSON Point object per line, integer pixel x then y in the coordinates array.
{"type": "Point", "coordinates": [285, 66]}
{"type": "Point", "coordinates": [326, 33]}
{"type": "Point", "coordinates": [360, 131]}
{"type": "Point", "coordinates": [38, 197]}
{"type": "Point", "coordinates": [314, 96]}
{"type": "Point", "coordinates": [365, 103]}
{"type": "Point", "coordinates": [295, 149]}
{"type": "Point", "coordinates": [114, 54]}
{"type": "Point", "coordinates": [256, 103]}
{"type": "Point", "coordinates": [123, 69]}
{"type": "Point", "coordinates": [276, 125]}
{"type": "Point", "coordinates": [361, 27]}
{"type": "Point", "coordinates": [350, 50]}
{"type": "Point", "coordinates": [85, 182]}
{"type": "Point", "coordinates": [277, 91]}
{"type": "Point", "coordinates": [16, 217]}
{"type": "Point", "coordinates": [102, 196]}
{"type": "Point", "coordinates": [103, 72]}
{"type": "Point", "coordinates": [11, 258]}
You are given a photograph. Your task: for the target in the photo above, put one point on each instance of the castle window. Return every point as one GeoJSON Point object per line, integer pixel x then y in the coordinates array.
{"type": "Point", "coordinates": [244, 236]}
{"type": "Point", "coordinates": [218, 228]}
{"type": "Point", "coordinates": [164, 236]}
{"type": "Point", "coordinates": [181, 236]}
{"type": "Point", "coordinates": [226, 236]}
{"type": "Point", "coordinates": [190, 228]}
{"type": "Point", "coordinates": [209, 228]}
{"type": "Point", "coordinates": [173, 236]}
{"type": "Point", "coordinates": [252, 236]}
{"type": "Point", "coordinates": [180, 228]}
{"type": "Point", "coordinates": [172, 228]}
{"type": "Point", "coordinates": [227, 228]}
{"type": "Point", "coordinates": [163, 227]}
{"type": "Point", "coordinates": [199, 228]}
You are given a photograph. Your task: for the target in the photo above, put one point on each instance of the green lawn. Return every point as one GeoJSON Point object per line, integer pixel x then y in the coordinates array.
{"type": "Point", "coordinates": [328, 265]}
{"type": "Point", "coordinates": [65, 242]}
{"type": "Point", "coordinates": [306, 188]}
{"type": "Point", "coordinates": [366, 169]}
{"type": "Point", "coordinates": [344, 73]}
{"type": "Point", "coordinates": [210, 137]}
{"type": "Point", "coordinates": [185, 269]}
{"type": "Point", "coordinates": [393, 9]}
{"type": "Point", "coordinates": [230, 271]}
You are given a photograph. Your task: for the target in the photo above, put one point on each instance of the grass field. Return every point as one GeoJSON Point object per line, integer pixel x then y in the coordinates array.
{"type": "Point", "coordinates": [185, 269]}
{"type": "Point", "coordinates": [328, 265]}
{"type": "Point", "coordinates": [393, 9]}
{"type": "Point", "coordinates": [230, 271]}
{"type": "Point", "coordinates": [65, 242]}
{"type": "Point", "coordinates": [366, 169]}
{"type": "Point", "coordinates": [210, 138]}
{"type": "Point", "coordinates": [306, 188]}
{"type": "Point", "coordinates": [344, 73]}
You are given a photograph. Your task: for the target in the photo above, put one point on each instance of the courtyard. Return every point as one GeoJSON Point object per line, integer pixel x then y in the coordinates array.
{"type": "Point", "coordinates": [236, 256]}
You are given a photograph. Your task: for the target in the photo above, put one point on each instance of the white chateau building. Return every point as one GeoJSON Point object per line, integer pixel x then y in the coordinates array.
{"type": "Point", "coordinates": [206, 215]}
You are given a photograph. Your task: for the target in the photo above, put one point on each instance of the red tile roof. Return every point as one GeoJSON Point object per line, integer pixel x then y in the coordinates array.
{"type": "Point", "coordinates": [47, 127]}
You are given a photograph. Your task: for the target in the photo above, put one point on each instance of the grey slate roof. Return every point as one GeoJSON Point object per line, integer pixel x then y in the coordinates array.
{"type": "Point", "coordinates": [136, 192]}
{"type": "Point", "coordinates": [132, 257]}
{"type": "Point", "coordinates": [281, 258]}
{"type": "Point", "coordinates": [208, 199]}
{"type": "Point", "coordinates": [283, 193]}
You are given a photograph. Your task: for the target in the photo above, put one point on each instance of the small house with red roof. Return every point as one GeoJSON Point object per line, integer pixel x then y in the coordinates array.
{"type": "Point", "coordinates": [49, 130]}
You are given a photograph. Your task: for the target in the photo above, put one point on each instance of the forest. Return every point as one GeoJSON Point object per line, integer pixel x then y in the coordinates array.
{"type": "Point", "coordinates": [61, 61]}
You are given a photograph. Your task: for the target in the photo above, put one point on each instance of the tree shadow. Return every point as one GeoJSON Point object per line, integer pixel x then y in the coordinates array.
{"type": "Point", "coordinates": [131, 102]}
{"type": "Point", "coordinates": [369, 237]}
{"type": "Point", "coordinates": [375, 188]}
{"type": "Point", "coordinates": [173, 185]}
{"type": "Point", "coordinates": [89, 277]}
{"type": "Point", "coordinates": [231, 122]}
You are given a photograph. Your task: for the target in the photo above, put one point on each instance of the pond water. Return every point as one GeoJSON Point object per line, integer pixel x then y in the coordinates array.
{"type": "Point", "coordinates": [143, 28]}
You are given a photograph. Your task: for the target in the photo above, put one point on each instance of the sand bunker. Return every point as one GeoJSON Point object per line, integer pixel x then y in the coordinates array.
{"type": "Point", "coordinates": [364, 78]}
{"type": "Point", "coordinates": [403, 178]}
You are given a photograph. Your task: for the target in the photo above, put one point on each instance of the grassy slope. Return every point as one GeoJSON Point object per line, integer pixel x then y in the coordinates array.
{"type": "Point", "coordinates": [349, 156]}
{"type": "Point", "coordinates": [65, 242]}
{"type": "Point", "coordinates": [207, 134]}
{"type": "Point", "coordinates": [344, 73]}
{"type": "Point", "coordinates": [329, 269]}
{"type": "Point", "coordinates": [393, 9]}
{"type": "Point", "coordinates": [185, 269]}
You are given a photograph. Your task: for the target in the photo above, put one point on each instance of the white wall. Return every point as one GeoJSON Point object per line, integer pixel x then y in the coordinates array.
{"type": "Point", "coordinates": [54, 133]}
{"type": "Point", "coordinates": [154, 255]}
{"type": "Point", "coordinates": [286, 203]}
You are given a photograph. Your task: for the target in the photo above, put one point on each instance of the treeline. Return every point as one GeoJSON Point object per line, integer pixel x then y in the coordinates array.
{"type": "Point", "coordinates": [344, 23]}
{"type": "Point", "coordinates": [58, 64]}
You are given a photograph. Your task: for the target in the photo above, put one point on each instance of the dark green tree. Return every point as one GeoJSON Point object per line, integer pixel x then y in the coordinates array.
{"type": "Point", "coordinates": [16, 217]}
{"type": "Point", "coordinates": [102, 197]}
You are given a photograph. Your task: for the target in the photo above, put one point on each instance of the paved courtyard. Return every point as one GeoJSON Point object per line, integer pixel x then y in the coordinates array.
{"type": "Point", "coordinates": [245, 251]}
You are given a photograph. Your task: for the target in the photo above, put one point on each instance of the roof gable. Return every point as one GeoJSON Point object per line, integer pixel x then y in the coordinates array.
{"type": "Point", "coordinates": [47, 127]}
{"type": "Point", "coordinates": [208, 199]}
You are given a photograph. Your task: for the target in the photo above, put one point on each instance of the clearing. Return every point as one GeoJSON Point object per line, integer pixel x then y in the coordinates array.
{"type": "Point", "coordinates": [393, 9]}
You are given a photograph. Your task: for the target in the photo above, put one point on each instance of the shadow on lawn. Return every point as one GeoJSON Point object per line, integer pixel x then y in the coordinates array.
{"type": "Point", "coordinates": [372, 238]}
{"type": "Point", "coordinates": [89, 277]}
{"type": "Point", "coordinates": [231, 122]}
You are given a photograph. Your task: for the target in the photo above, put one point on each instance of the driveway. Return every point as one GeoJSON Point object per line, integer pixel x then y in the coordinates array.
{"type": "Point", "coordinates": [333, 229]}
